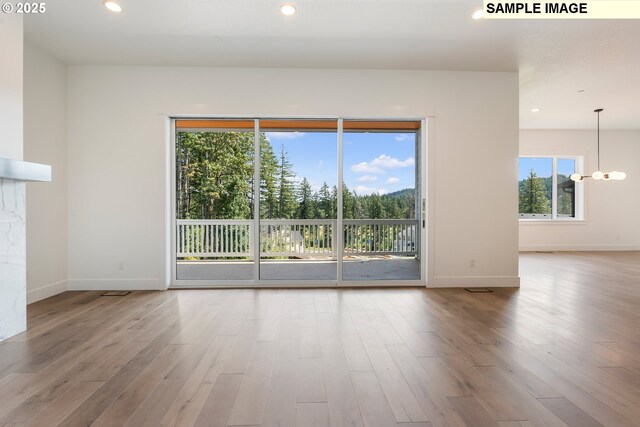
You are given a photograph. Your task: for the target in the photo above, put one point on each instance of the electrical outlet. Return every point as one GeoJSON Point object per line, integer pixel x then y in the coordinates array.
{"type": "Point", "coordinates": [120, 265]}
{"type": "Point", "coordinates": [472, 263]}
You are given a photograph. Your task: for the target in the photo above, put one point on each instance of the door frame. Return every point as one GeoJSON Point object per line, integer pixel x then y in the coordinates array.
{"type": "Point", "coordinates": [424, 165]}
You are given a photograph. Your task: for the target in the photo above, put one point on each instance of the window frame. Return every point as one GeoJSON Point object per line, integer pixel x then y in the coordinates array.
{"type": "Point", "coordinates": [425, 133]}
{"type": "Point", "coordinates": [579, 190]}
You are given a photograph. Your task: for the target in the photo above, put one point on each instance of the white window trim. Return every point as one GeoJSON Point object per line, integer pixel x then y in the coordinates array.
{"type": "Point", "coordinates": [579, 192]}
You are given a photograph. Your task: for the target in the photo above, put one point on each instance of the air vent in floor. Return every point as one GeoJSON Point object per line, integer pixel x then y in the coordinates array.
{"type": "Point", "coordinates": [115, 293]}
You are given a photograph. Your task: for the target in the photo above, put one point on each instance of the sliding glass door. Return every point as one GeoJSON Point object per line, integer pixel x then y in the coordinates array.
{"type": "Point", "coordinates": [268, 201]}
{"type": "Point", "coordinates": [214, 199]}
{"type": "Point", "coordinates": [298, 199]}
{"type": "Point", "coordinates": [381, 186]}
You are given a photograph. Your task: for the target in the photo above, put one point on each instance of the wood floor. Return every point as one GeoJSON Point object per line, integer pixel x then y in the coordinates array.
{"type": "Point", "coordinates": [564, 350]}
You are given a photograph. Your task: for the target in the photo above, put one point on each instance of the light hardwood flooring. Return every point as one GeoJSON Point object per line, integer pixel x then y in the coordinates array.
{"type": "Point", "coordinates": [563, 350]}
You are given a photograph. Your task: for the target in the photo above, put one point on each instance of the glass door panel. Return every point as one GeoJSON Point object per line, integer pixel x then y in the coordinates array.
{"type": "Point", "coordinates": [214, 199]}
{"type": "Point", "coordinates": [298, 199]}
{"type": "Point", "coordinates": [381, 200]}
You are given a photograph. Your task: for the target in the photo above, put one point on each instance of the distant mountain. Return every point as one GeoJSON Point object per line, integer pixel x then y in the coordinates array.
{"type": "Point", "coordinates": [401, 193]}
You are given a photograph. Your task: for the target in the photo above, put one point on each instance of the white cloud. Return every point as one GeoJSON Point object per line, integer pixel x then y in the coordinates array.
{"type": "Point", "coordinates": [367, 178]}
{"type": "Point", "coordinates": [364, 190]}
{"type": "Point", "coordinates": [402, 137]}
{"type": "Point", "coordinates": [365, 167]}
{"type": "Point", "coordinates": [382, 162]}
{"type": "Point", "coordinates": [284, 135]}
{"type": "Point", "coordinates": [393, 180]}
{"type": "Point", "coordinates": [388, 162]}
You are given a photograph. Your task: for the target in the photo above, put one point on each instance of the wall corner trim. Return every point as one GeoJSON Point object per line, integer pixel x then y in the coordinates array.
{"type": "Point", "coordinates": [46, 291]}
{"type": "Point", "coordinates": [116, 285]}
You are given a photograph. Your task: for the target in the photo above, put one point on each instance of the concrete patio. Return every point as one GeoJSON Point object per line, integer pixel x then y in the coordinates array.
{"type": "Point", "coordinates": [361, 268]}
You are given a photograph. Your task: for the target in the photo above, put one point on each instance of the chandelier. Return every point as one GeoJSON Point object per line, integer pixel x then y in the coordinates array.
{"type": "Point", "coordinates": [598, 174]}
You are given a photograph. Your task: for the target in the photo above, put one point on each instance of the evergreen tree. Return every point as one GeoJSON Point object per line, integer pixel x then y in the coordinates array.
{"type": "Point", "coordinates": [393, 211]}
{"type": "Point", "coordinates": [324, 202]}
{"type": "Point", "coordinates": [376, 209]}
{"type": "Point", "coordinates": [305, 206]}
{"type": "Point", "coordinates": [347, 202]}
{"type": "Point", "coordinates": [317, 209]}
{"type": "Point", "coordinates": [286, 187]}
{"type": "Point", "coordinates": [334, 202]}
{"type": "Point", "coordinates": [214, 172]}
{"type": "Point", "coordinates": [358, 207]}
{"type": "Point", "coordinates": [409, 208]}
{"type": "Point", "coordinates": [533, 195]}
{"type": "Point", "coordinates": [268, 180]}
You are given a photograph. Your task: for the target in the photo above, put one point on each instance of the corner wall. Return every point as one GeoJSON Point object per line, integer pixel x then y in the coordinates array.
{"type": "Point", "coordinates": [117, 158]}
{"type": "Point", "coordinates": [611, 208]}
{"type": "Point", "coordinates": [45, 141]}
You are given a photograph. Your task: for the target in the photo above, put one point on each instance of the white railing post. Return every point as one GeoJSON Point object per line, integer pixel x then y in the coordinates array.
{"type": "Point", "coordinates": [334, 239]}
{"type": "Point", "coordinates": [251, 249]}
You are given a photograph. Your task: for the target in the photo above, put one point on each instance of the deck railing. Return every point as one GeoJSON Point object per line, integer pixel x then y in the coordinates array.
{"type": "Point", "coordinates": [295, 237]}
{"type": "Point", "coordinates": [214, 238]}
{"type": "Point", "coordinates": [380, 236]}
{"type": "Point", "coordinates": [305, 238]}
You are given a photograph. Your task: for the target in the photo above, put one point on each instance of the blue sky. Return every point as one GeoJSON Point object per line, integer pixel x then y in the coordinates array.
{"type": "Point", "coordinates": [543, 167]}
{"type": "Point", "coordinates": [373, 162]}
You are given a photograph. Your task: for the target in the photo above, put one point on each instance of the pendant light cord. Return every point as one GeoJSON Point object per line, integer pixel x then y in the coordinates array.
{"type": "Point", "coordinates": [598, 140]}
{"type": "Point", "coordinates": [598, 111]}
{"type": "Point", "coordinates": [598, 174]}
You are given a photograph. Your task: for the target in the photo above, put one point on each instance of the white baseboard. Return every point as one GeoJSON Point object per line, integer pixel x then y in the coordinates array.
{"type": "Point", "coordinates": [46, 291]}
{"type": "Point", "coordinates": [116, 285]}
{"type": "Point", "coordinates": [475, 282]}
{"type": "Point", "coordinates": [578, 248]}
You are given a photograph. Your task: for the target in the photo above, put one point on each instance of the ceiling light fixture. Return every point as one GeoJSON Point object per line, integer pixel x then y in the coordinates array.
{"type": "Point", "coordinates": [112, 5]}
{"type": "Point", "coordinates": [288, 9]}
{"type": "Point", "coordinates": [535, 110]}
{"type": "Point", "coordinates": [478, 14]}
{"type": "Point", "coordinates": [599, 175]}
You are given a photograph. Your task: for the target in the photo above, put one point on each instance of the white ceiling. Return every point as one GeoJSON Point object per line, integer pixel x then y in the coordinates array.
{"type": "Point", "coordinates": [555, 58]}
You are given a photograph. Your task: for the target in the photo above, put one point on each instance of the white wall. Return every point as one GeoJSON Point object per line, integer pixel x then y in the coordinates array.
{"type": "Point", "coordinates": [117, 157]}
{"type": "Point", "coordinates": [11, 87]}
{"type": "Point", "coordinates": [611, 208]}
{"type": "Point", "coordinates": [45, 141]}
{"type": "Point", "coordinates": [13, 314]}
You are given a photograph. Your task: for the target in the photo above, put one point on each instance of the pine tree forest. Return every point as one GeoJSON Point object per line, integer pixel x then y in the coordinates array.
{"type": "Point", "coordinates": [214, 173]}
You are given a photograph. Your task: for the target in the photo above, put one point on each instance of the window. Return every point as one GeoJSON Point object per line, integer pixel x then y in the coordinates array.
{"type": "Point", "coordinates": [546, 190]}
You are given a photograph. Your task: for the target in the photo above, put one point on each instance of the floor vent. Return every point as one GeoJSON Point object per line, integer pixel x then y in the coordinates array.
{"type": "Point", "coordinates": [115, 293]}
{"type": "Point", "coordinates": [545, 252]}
{"type": "Point", "coordinates": [478, 290]}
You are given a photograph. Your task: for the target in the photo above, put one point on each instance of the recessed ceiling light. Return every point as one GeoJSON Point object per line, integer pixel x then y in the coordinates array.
{"type": "Point", "coordinates": [535, 110]}
{"type": "Point", "coordinates": [288, 9]}
{"type": "Point", "coordinates": [478, 14]}
{"type": "Point", "coordinates": [112, 6]}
